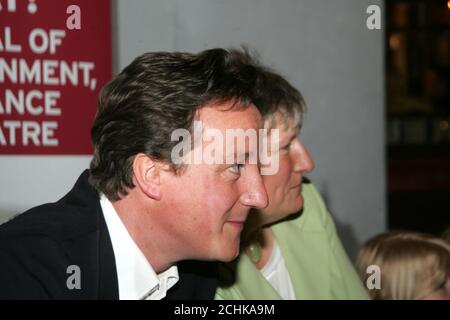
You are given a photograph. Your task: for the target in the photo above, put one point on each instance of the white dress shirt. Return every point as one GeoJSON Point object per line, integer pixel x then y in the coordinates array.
{"type": "Point", "coordinates": [136, 278]}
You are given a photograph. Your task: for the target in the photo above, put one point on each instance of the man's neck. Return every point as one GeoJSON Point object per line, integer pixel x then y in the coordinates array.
{"type": "Point", "coordinates": [136, 220]}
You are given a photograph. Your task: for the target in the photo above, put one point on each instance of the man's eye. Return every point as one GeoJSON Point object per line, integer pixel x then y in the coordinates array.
{"type": "Point", "coordinates": [236, 168]}
{"type": "Point", "coordinates": [286, 147]}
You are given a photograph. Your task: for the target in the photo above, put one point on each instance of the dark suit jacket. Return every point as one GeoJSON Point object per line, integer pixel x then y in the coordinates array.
{"type": "Point", "coordinates": [38, 246]}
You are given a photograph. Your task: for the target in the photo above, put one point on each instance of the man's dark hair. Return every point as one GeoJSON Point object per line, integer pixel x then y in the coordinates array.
{"type": "Point", "coordinates": [157, 93]}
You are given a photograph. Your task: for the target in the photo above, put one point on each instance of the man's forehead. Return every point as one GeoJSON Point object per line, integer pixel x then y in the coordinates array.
{"type": "Point", "coordinates": [225, 116]}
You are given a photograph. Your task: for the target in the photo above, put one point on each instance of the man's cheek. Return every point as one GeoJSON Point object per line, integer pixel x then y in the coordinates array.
{"type": "Point", "coordinates": [220, 201]}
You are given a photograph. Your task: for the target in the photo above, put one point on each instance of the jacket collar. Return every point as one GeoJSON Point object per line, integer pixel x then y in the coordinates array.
{"type": "Point", "coordinates": [87, 242]}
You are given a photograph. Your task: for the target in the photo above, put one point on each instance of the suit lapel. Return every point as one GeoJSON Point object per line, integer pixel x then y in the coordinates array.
{"type": "Point", "coordinates": [87, 243]}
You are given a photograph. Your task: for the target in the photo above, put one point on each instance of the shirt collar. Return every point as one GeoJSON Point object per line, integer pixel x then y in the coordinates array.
{"type": "Point", "coordinates": [136, 277]}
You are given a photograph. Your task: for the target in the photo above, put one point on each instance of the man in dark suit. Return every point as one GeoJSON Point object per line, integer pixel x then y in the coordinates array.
{"type": "Point", "coordinates": [137, 223]}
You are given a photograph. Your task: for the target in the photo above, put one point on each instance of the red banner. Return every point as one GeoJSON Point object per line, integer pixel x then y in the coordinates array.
{"type": "Point", "coordinates": [55, 55]}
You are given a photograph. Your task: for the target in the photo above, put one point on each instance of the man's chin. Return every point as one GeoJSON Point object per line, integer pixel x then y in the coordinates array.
{"type": "Point", "coordinates": [229, 254]}
{"type": "Point", "coordinates": [230, 257]}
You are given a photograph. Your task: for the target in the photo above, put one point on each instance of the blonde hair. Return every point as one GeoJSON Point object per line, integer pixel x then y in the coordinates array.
{"type": "Point", "coordinates": [412, 265]}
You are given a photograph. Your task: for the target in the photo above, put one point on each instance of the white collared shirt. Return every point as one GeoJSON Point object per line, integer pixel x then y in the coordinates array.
{"type": "Point", "coordinates": [136, 278]}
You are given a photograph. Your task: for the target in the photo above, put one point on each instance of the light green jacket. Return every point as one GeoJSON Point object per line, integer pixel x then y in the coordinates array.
{"type": "Point", "coordinates": [317, 263]}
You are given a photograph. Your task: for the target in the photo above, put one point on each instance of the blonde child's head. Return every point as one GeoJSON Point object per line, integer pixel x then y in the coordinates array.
{"type": "Point", "coordinates": [412, 265]}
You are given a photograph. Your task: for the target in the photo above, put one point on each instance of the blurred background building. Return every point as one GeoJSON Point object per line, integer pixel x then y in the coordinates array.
{"type": "Point", "coordinates": [418, 114]}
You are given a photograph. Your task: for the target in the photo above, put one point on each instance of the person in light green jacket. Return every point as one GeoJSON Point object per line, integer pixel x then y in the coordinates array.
{"type": "Point", "coordinates": [290, 249]}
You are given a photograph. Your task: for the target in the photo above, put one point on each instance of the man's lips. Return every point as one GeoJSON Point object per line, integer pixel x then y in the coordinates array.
{"type": "Point", "coordinates": [238, 222]}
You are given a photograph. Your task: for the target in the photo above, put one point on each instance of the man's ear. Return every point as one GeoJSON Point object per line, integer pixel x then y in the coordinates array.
{"type": "Point", "coordinates": [147, 175]}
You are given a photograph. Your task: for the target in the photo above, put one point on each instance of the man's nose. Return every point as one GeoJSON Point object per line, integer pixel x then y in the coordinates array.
{"type": "Point", "coordinates": [254, 194]}
{"type": "Point", "coordinates": [304, 161]}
